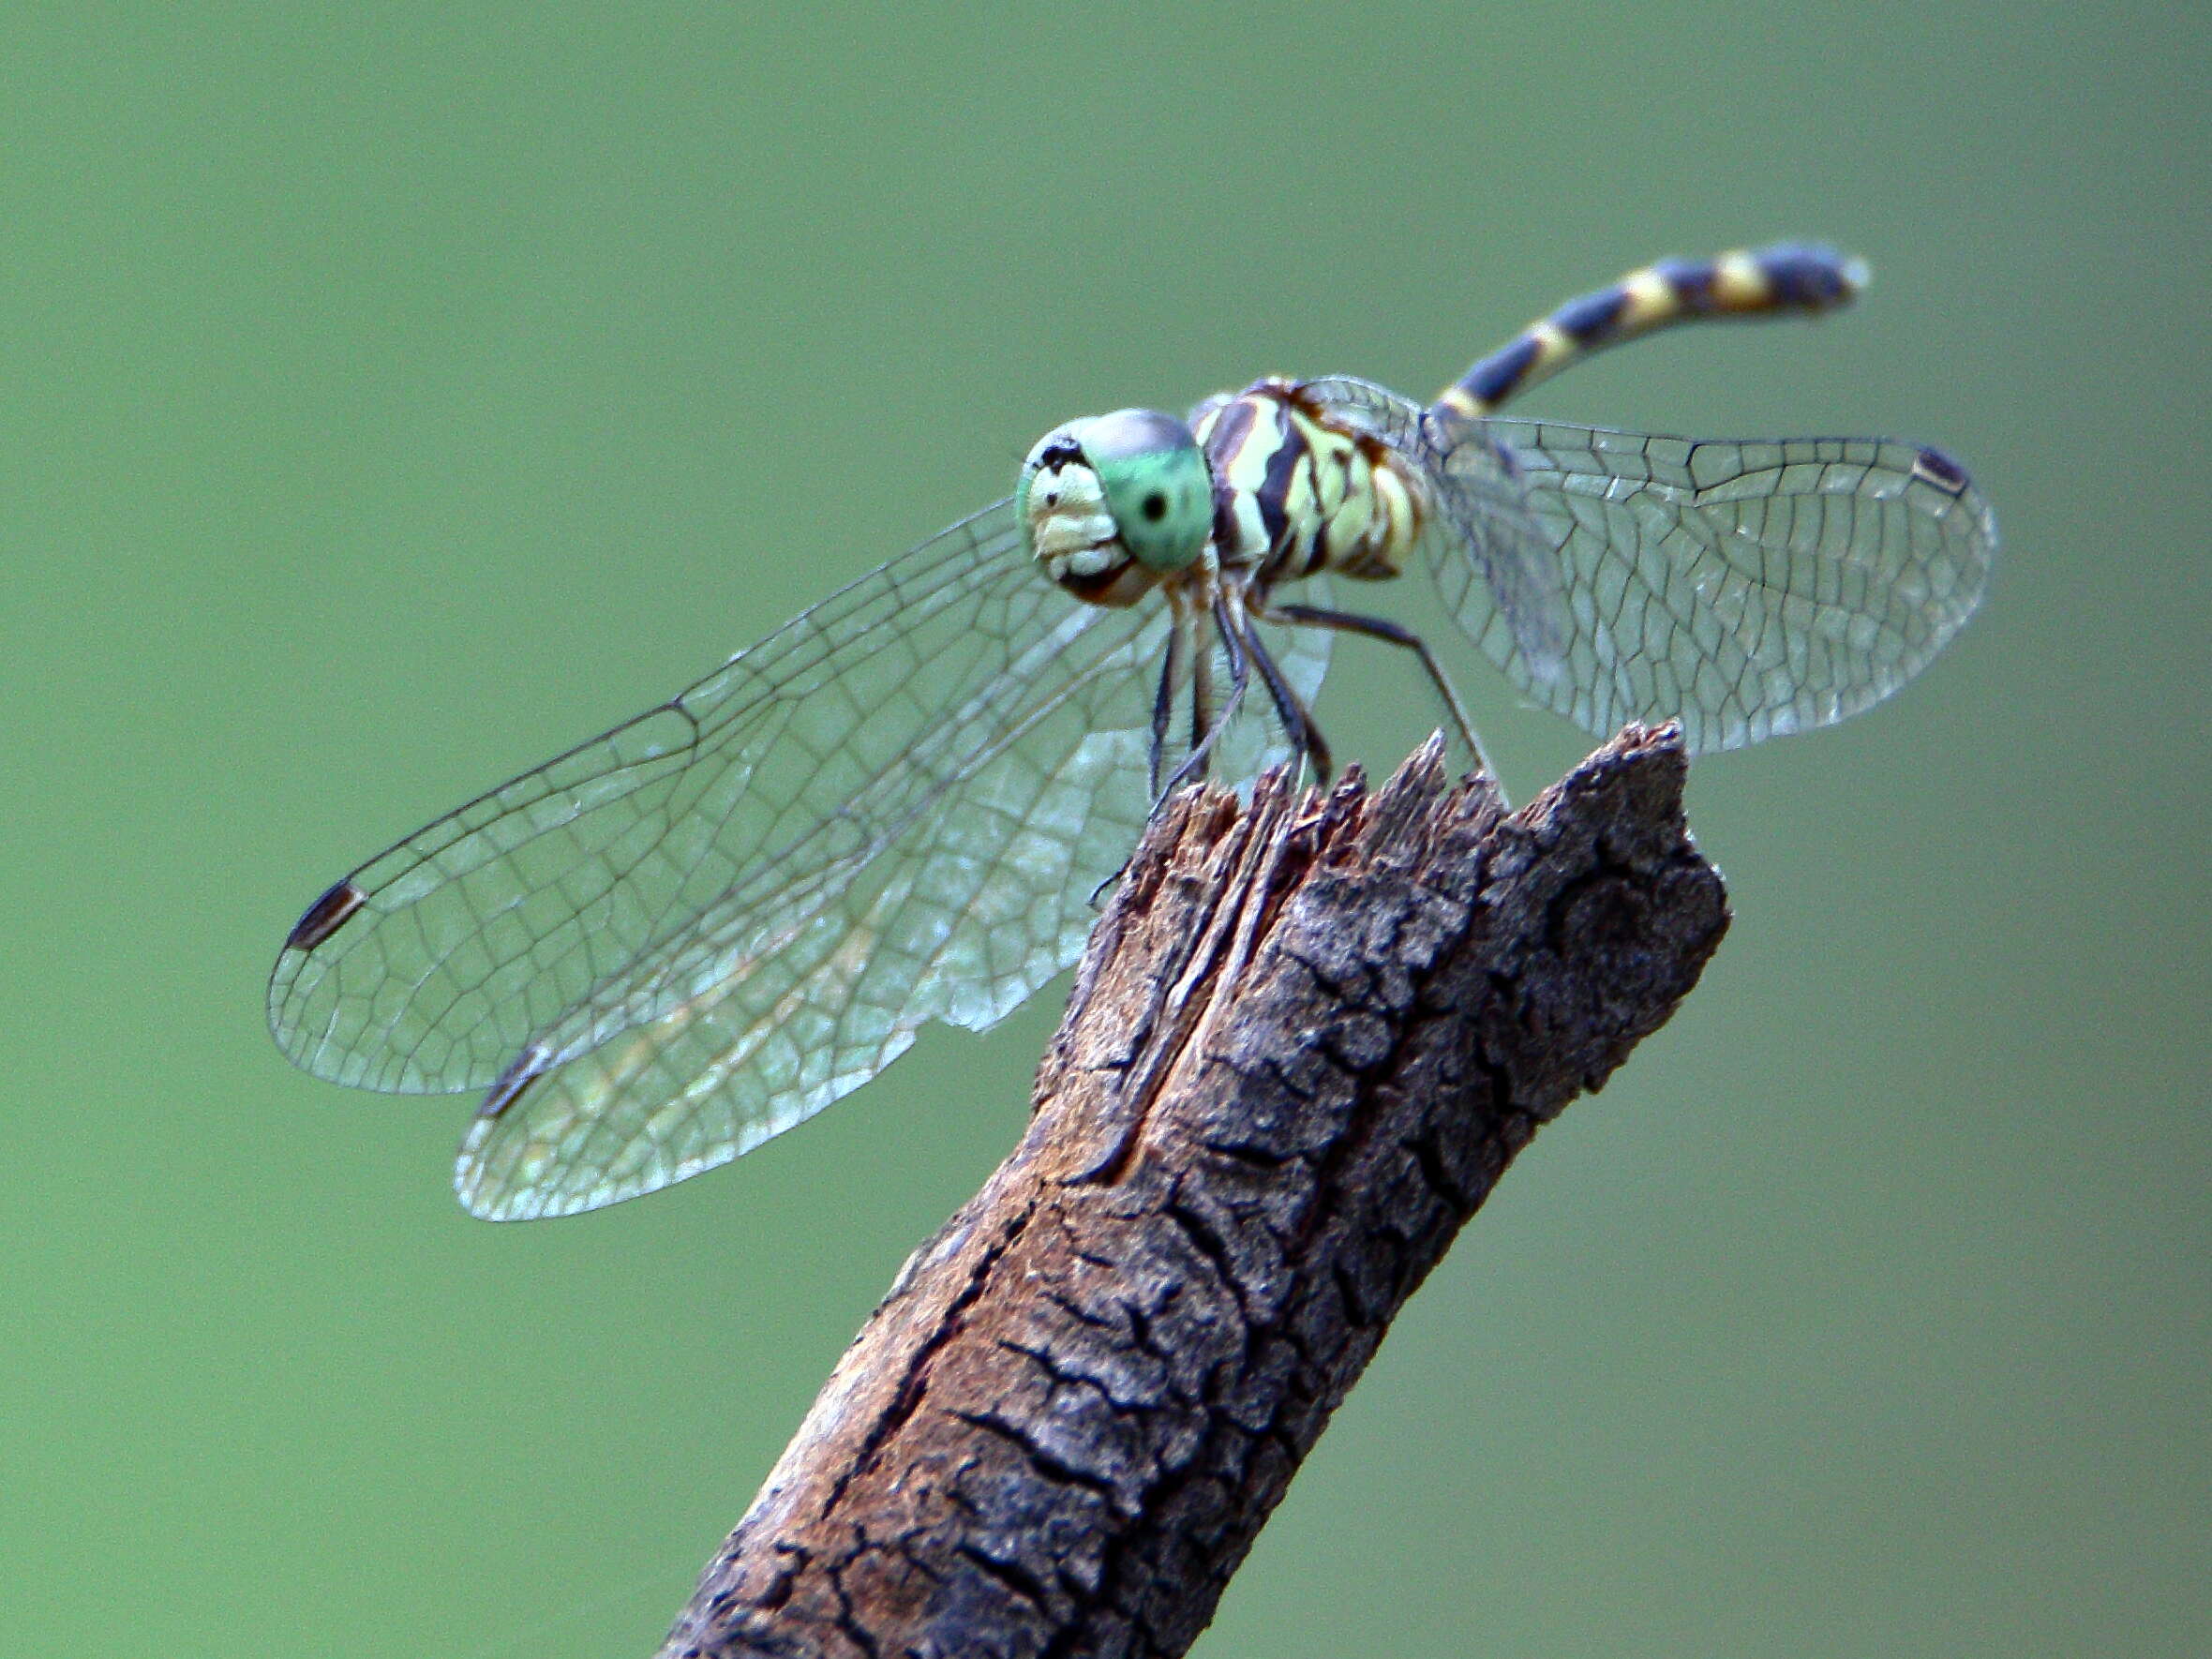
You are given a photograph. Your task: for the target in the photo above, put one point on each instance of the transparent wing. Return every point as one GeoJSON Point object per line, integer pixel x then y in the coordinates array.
{"type": "Point", "coordinates": [1745, 588]}
{"type": "Point", "coordinates": [677, 939]}
{"type": "Point", "coordinates": [1500, 574]}
{"type": "Point", "coordinates": [960, 920]}
{"type": "Point", "coordinates": [484, 928]}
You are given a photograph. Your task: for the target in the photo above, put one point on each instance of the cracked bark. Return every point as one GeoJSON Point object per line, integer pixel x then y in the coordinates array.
{"type": "Point", "coordinates": [1305, 1041]}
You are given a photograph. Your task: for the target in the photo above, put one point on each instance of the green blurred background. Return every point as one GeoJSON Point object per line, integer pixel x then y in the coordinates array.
{"type": "Point", "coordinates": [391, 395]}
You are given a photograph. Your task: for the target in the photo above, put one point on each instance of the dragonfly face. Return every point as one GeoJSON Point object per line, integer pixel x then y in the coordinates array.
{"type": "Point", "coordinates": [688, 934]}
{"type": "Point", "coordinates": [1111, 502]}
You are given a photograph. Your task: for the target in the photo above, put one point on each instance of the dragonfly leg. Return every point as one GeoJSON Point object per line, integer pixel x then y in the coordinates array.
{"type": "Point", "coordinates": [1206, 727]}
{"type": "Point", "coordinates": [1394, 634]}
{"type": "Point", "coordinates": [1202, 700]}
{"type": "Point", "coordinates": [1239, 670]}
{"type": "Point", "coordinates": [1306, 743]}
{"type": "Point", "coordinates": [1163, 719]}
{"type": "Point", "coordinates": [1163, 700]}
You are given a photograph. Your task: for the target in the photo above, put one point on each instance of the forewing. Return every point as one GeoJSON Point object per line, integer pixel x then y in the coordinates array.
{"type": "Point", "coordinates": [622, 878]}
{"type": "Point", "coordinates": [981, 895]}
{"type": "Point", "coordinates": [1745, 588]}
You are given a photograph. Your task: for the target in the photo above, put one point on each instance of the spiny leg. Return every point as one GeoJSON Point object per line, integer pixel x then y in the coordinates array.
{"type": "Point", "coordinates": [1392, 632]}
{"type": "Point", "coordinates": [1202, 697]}
{"type": "Point", "coordinates": [1183, 624]}
{"type": "Point", "coordinates": [1788, 276]}
{"type": "Point", "coordinates": [1206, 729]}
{"type": "Point", "coordinates": [1306, 743]}
{"type": "Point", "coordinates": [1163, 700]}
{"type": "Point", "coordinates": [1181, 641]}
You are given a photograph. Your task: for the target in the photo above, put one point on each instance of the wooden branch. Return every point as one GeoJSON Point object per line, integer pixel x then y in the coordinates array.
{"type": "Point", "coordinates": [1305, 1041]}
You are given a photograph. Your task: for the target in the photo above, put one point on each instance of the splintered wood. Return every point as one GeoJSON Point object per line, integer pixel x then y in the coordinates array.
{"type": "Point", "coordinates": [1306, 1040]}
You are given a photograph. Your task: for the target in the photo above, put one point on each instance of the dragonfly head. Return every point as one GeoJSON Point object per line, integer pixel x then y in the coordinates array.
{"type": "Point", "coordinates": [1113, 502]}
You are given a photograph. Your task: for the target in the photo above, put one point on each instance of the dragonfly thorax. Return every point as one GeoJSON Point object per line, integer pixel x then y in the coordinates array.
{"type": "Point", "coordinates": [1299, 491]}
{"type": "Point", "coordinates": [1112, 503]}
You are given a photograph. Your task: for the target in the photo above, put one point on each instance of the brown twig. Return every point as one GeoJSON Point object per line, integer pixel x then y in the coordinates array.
{"type": "Point", "coordinates": [1306, 1040]}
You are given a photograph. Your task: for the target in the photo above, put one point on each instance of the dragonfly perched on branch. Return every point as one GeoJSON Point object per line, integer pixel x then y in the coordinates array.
{"type": "Point", "coordinates": [687, 934]}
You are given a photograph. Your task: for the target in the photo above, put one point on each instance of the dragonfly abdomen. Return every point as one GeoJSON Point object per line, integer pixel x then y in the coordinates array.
{"type": "Point", "coordinates": [1787, 276]}
{"type": "Point", "coordinates": [1296, 492]}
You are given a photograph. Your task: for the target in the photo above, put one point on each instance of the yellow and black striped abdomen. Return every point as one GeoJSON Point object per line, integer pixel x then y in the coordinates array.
{"type": "Point", "coordinates": [1295, 493]}
{"type": "Point", "coordinates": [1788, 276]}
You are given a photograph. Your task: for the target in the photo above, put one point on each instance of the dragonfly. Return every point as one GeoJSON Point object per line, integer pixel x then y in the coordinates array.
{"type": "Point", "coordinates": [697, 929]}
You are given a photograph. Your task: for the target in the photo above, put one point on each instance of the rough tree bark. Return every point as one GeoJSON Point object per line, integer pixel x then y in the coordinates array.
{"type": "Point", "coordinates": [1305, 1041]}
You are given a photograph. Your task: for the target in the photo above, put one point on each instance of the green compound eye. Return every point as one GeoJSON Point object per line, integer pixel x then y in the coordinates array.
{"type": "Point", "coordinates": [1155, 482]}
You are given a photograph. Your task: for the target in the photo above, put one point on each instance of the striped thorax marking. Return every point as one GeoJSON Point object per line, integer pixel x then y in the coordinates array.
{"type": "Point", "coordinates": [1296, 492]}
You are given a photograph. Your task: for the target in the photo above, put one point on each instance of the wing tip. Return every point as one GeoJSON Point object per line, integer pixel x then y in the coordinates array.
{"type": "Point", "coordinates": [332, 909]}
{"type": "Point", "coordinates": [1937, 467]}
